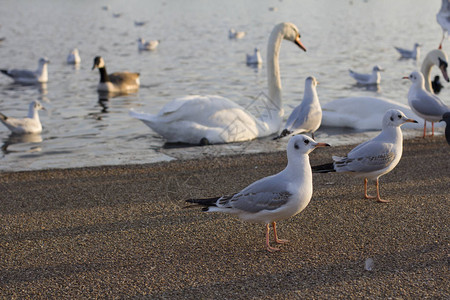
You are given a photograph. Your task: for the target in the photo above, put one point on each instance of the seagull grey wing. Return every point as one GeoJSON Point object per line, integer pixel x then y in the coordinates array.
{"type": "Point", "coordinates": [15, 73]}
{"type": "Point", "coordinates": [296, 118]}
{"type": "Point", "coordinates": [360, 77]}
{"type": "Point", "coordinates": [258, 201]}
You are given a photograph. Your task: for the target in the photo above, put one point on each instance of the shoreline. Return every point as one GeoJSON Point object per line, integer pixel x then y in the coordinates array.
{"type": "Point", "coordinates": [121, 231]}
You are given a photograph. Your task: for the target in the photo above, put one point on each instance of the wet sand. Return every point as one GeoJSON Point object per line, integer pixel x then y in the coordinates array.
{"type": "Point", "coordinates": [124, 231]}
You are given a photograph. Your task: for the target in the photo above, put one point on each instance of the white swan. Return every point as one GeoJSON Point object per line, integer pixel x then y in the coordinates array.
{"type": "Point", "coordinates": [214, 119]}
{"type": "Point", "coordinates": [364, 112]}
{"type": "Point", "coordinates": [367, 79]}
{"type": "Point", "coordinates": [30, 124]}
{"type": "Point", "coordinates": [147, 46]}
{"type": "Point", "coordinates": [28, 76]}
{"type": "Point", "coordinates": [255, 58]}
{"type": "Point", "coordinates": [425, 104]}
{"type": "Point", "coordinates": [307, 116]}
{"type": "Point", "coordinates": [414, 53]}
{"type": "Point", "coordinates": [74, 57]}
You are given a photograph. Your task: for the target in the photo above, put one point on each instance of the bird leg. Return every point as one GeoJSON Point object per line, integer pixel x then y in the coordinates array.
{"type": "Point", "coordinates": [279, 241]}
{"type": "Point", "coordinates": [424, 128]}
{"type": "Point", "coordinates": [269, 248]}
{"type": "Point", "coordinates": [378, 194]}
{"type": "Point", "coordinates": [432, 128]}
{"type": "Point", "coordinates": [365, 190]}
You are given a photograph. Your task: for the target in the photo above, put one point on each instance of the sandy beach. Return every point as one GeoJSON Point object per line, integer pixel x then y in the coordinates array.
{"type": "Point", "coordinates": [124, 231]}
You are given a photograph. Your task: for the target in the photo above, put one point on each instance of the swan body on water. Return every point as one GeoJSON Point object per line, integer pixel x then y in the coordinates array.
{"type": "Point", "coordinates": [215, 119]}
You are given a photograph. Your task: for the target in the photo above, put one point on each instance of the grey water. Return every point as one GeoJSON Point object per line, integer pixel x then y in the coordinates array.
{"type": "Point", "coordinates": [195, 56]}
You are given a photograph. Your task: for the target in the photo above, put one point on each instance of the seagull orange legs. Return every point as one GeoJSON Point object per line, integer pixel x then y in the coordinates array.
{"type": "Point", "coordinates": [278, 241]}
{"type": "Point", "coordinates": [425, 129]}
{"type": "Point", "coordinates": [378, 192]}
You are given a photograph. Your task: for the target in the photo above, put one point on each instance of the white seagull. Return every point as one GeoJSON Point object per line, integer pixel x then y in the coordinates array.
{"type": "Point", "coordinates": [275, 197]}
{"type": "Point", "coordinates": [30, 124]}
{"type": "Point", "coordinates": [255, 58]}
{"type": "Point", "coordinates": [367, 79]}
{"type": "Point", "coordinates": [147, 46]}
{"type": "Point", "coordinates": [233, 34]}
{"type": "Point", "coordinates": [423, 103]}
{"type": "Point", "coordinates": [374, 158]}
{"type": "Point", "coordinates": [405, 53]}
{"type": "Point", "coordinates": [74, 57]}
{"type": "Point", "coordinates": [28, 76]}
{"type": "Point", "coordinates": [443, 18]}
{"type": "Point", "coordinates": [307, 116]}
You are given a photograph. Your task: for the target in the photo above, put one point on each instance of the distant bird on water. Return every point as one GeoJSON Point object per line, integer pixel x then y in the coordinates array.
{"type": "Point", "coordinates": [118, 82]}
{"type": "Point", "coordinates": [28, 76]}
{"type": "Point", "coordinates": [255, 58]}
{"type": "Point", "coordinates": [405, 53]}
{"type": "Point", "coordinates": [367, 79]}
{"type": "Point", "coordinates": [374, 158]}
{"type": "Point", "coordinates": [233, 34]}
{"type": "Point", "coordinates": [275, 197]}
{"type": "Point", "coordinates": [74, 57]}
{"type": "Point", "coordinates": [147, 46]}
{"type": "Point", "coordinates": [30, 124]}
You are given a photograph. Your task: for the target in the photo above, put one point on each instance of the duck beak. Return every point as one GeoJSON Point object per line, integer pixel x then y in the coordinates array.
{"type": "Point", "coordinates": [322, 145]}
{"type": "Point", "coordinates": [299, 43]}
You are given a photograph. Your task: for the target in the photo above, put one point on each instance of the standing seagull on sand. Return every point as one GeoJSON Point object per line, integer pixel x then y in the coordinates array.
{"type": "Point", "coordinates": [275, 197]}
{"type": "Point", "coordinates": [443, 19]}
{"type": "Point", "coordinates": [30, 124]}
{"type": "Point", "coordinates": [374, 158]}
{"type": "Point", "coordinates": [423, 103]}
{"type": "Point", "coordinates": [308, 115]}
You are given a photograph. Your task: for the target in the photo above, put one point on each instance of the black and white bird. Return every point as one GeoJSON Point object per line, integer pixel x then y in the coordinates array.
{"type": "Point", "coordinates": [29, 124]}
{"type": "Point", "coordinates": [28, 76]}
{"type": "Point", "coordinates": [374, 158]}
{"type": "Point", "coordinates": [275, 197]}
{"type": "Point", "coordinates": [118, 82]}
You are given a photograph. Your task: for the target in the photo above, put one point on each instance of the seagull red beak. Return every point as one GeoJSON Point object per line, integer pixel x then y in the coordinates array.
{"type": "Point", "coordinates": [411, 121]}
{"type": "Point", "coordinates": [405, 77]}
{"type": "Point", "coordinates": [322, 145]}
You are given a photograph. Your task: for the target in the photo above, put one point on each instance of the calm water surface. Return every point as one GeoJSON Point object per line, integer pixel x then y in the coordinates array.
{"type": "Point", "coordinates": [195, 56]}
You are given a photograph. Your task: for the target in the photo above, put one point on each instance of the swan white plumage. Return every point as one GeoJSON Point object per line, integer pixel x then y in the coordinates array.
{"type": "Point", "coordinates": [414, 53]}
{"type": "Point", "coordinates": [28, 76]}
{"type": "Point", "coordinates": [425, 104]}
{"type": "Point", "coordinates": [365, 112]}
{"type": "Point", "coordinates": [255, 58]}
{"type": "Point", "coordinates": [307, 116]}
{"type": "Point", "coordinates": [443, 19]}
{"type": "Point", "coordinates": [147, 46]}
{"type": "Point", "coordinates": [30, 124]}
{"type": "Point", "coordinates": [367, 79]}
{"type": "Point", "coordinates": [215, 119]}
{"type": "Point", "coordinates": [74, 57]}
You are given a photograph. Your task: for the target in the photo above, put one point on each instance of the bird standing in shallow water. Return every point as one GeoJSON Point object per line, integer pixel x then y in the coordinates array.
{"type": "Point", "coordinates": [374, 158]}
{"type": "Point", "coordinates": [275, 197]}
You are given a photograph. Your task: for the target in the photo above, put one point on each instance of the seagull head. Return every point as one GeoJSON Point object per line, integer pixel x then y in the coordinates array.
{"type": "Point", "coordinates": [396, 118]}
{"type": "Point", "coordinates": [377, 68]}
{"type": "Point", "coordinates": [302, 144]}
{"type": "Point", "coordinates": [416, 78]}
{"type": "Point", "coordinates": [37, 105]}
{"type": "Point", "coordinates": [311, 80]}
{"type": "Point", "coordinates": [43, 60]}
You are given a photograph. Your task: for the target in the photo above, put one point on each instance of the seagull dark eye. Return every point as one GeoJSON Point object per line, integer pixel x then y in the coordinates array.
{"type": "Point", "coordinates": [306, 142]}
{"type": "Point", "coordinates": [296, 146]}
{"type": "Point", "coordinates": [392, 119]}
{"type": "Point", "coordinates": [399, 116]}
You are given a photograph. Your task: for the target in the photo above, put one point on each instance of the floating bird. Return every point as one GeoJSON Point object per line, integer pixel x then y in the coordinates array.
{"type": "Point", "coordinates": [275, 197]}
{"type": "Point", "coordinates": [446, 118]}
{"type": "Point", "coordinates": [117, 15]}
{"type": "Point", "coordinates": [28, 76]}
{"type": "Point", "coordinates": [374, 158]}
{"type": "Point", "coordinates": [425, 104]}
{"type": "Point", "coordinates": [308, 115]}
{"type": "Point", "coordinates": [147, 46]}
{"type": "Point", "coordinates": [255, 58]}
{"type": "Point", "coordinates": [233, 34]}
{"type": "Point", "coordinates": [217, 120]}
{"type": "Point", "coordinates": [443, 19]}
{"type": "Point", "coordinates": [30, 124]}
{"type": "Point", "coordinates": [139, 23]}
{"type": "Point", "coordinates": [74, 57]}
{"type": "Point", "coordinates": [437, 85]}
{"type": "Point", "coordinates": [118, 82]}
{"type": "Point", "coordinates": [405, 53]}
{"type": "Point", "coordinates": [367, 79]}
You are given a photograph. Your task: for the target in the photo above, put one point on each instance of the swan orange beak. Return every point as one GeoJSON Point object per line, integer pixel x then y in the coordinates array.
{"type": "Point", "coordinates": [443, 68]}
{"type": "Point", "coordinates": [299, 43]}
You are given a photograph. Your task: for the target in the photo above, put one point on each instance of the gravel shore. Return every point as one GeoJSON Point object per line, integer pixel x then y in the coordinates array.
{"type": "Point", "coordinates": [124, 231]}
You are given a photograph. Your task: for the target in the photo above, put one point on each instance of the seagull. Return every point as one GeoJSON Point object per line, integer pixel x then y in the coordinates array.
{"type": "Point", "coordinates": [306, 117]}
{"type": "Point", "coordinates": [367, 79]}
{"type": "Point", "coordinates": [446, 118]}
{"type": "Point", "coordinates": [423, 103]}
{"type": "Point", "coordinates": [437, 85]}
{"type": "Point", "coordinates": [374, 158]}
{"type": "Point", "coordinates": [443, 19]}
{"type": "Point", "coordinates": [275, 197]}
{"type": "Point", "coordinates": [255, 58]}
{"type": "Point", "coordinates": [139, 23]}
{"type": "Point", "coordinates": [147, 46]}
{"type": "Point", "coordinates": [30, 124]}
{"type": "Point", "coordinates": [28, 76]}
{"type": "Point", "coordinates": [233, 34]}
{"type": "Point", "coordinates": [414, 54]}
{"type": "Point", "coordinates": [74, 57]}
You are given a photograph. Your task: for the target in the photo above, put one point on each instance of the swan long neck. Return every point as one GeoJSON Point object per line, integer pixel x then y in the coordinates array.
{"type": "Point", "coordinates": [273, 67]}
{"type": "Point", "coordinates": [426, 71]}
